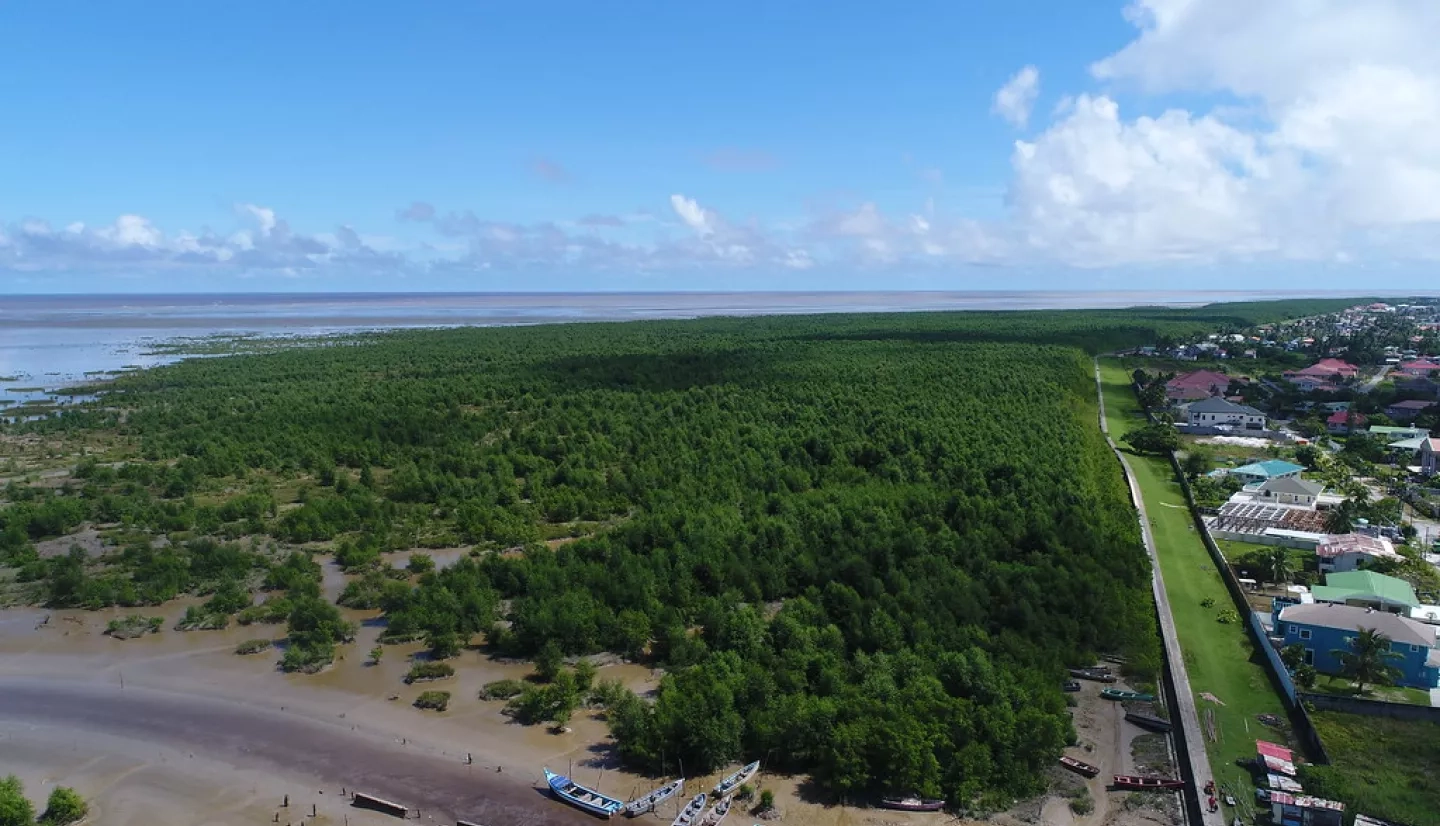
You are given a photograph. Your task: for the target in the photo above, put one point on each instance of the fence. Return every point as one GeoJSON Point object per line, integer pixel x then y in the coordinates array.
{"type": "Point", "coordinates": [1279, 675]}
{"type": "Point", "coordinates": [1372, 708]}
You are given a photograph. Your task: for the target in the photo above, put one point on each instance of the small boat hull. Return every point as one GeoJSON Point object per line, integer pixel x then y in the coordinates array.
{"type": "Point", "coordinates": [641, 805]}
{"type": "Point", "coordinates": [911, 804]}
{"type": "Point", "coordinates": [585, 799]}
{"type": "Point", "coordinates": [731, 784]}
{"type": "Point", "coordinates": [1120, 695]}
{"type": "Point", "coordinates": [1148, 784]}
{"type": "Point", "coordinates": [1146, 721]}
{"type": "Point", "coordinates": [1099, 675]}
{"type": "Point", "coordinates": [1079, 766]}
{"type": "Point", "coordinates": [691, 813]}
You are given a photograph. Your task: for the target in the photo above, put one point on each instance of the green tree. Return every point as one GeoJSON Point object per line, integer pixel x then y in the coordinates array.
{"type": "Point", "coordinates": [1367, 660]}
{"type": "Point", "coordinates": [1341, 518]}
{"type": "Point", "coordinates": [1293, 655]}
{"type": "Point", "coordinates": [64, 807]}
{"type": "Point", "coordinates": [1309, 456]}
{"type": "Point", "coordinates": [1157, 438]}
{"type": "Point", "coordinates": [1306, 675]}
{"type": "Point", "coordinates": [421, 564]}
{"type": "Point", "coordinates": [1198, 462]}
{"type": "Point", "coordinates": [15, 808]}
{"type": "Point", "coordinates": [1278, 565]}
{"type": "Point", "coordinates": [549, 662]}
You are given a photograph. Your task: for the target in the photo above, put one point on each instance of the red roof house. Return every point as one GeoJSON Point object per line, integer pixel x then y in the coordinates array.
{"type": "Point", "coordinates": [1419, 368]}
{"type": "Point", "coordinates": [1201, 384]}
{"type": "Point", "coordinates": [1323, 374]}
{"type": "Point", "coordinates": [1341, 421]}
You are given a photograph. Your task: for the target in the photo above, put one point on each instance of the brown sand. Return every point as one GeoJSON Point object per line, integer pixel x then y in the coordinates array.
{"type": "Point", "coordinates": [257, 734]}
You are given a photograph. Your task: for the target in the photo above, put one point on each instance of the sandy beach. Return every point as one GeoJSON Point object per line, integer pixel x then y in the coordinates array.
{"type": "Point", "coordinates": [175, 728]}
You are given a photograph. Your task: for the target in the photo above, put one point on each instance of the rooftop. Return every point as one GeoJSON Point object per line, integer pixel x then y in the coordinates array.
{"type": "Point", "coordinates": [1355, 543]}
{"type": "Point", "coordinates": [1215, 404]}
{"type": "Point", "coordinates": [1349, 618]}
{"type": "Point", "coordinates": [1368, 583]}
{"type": "Point", "coordinates": [1268, 468]}
{"type": "Point", "coordinates": [1293, 485]}
{"type": "Point", "coordinates": [1413, 404]}
{"type": "Point", "coordinates": [1199, 378]}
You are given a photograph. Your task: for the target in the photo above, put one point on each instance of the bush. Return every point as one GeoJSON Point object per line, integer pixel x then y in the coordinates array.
{"type": "Point", "coordinates": [438, 700]}
{"type": "Point", "coordinates": [198, 618]}
{"type": "Point", "coordinates": [423, 672]}
{"type": "Point", "coordinates": [253, 646]}
{"type": "Point", "coordinates": [1208, 602]}
{"type": "Point", "coordinates": [746, 792]}
{"type": "Point", "coordinates": [1227, 616]}
{"type": "Point", "coordinates": [767, 800]}
{"type": "Point", "coordinates": [65, 806]}
{"type": "Point", "coordinates": [15, 808]}
{"type": "Point", "coordinates": [307, 659]}
{"type": "Point", "coordinates": [421, 564]}
{"type": "Point", "coordinates": [501, 689]}
{"type": "Point", "coordinates": [1083, 805]}
{"type": "Point", "coordinates": [133, 626]}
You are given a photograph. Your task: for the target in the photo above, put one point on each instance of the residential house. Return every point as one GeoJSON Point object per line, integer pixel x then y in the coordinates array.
{"type": "Point", "coordinates": [1367, 589]}
{"type": "Point", "coordinates": [1215, 412]}
{"type": "Point", "coordinates": [1343, 421]}
{"type": "Point", "coordinates": [1321, 629]}
{"type": "Point", "coordinates": [1407, 410]}
{"type": "Point", "coordinates": [1326, 374]}
{"type": "Point", "coordinates": [1430, 457]}
{"type": "Point", "coordinates": [1419, 368]}
{"type": "Point", "coordinates": [1263, 471]}
{"type": "Point", "coordinates": [1200, 384]}
{"type": "Point", "coordinates": [1291, 490]}
{"type": "Point", "coordinates": [1338, 553]}
{"type": "Point", "coordinates": [1390, 433]}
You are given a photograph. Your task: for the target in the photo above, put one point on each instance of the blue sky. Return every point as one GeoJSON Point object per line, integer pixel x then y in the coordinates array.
{"type": "Point", "coordinates": [648, 145]}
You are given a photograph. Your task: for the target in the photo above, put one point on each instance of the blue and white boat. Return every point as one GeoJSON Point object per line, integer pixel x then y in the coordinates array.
{"type": "Point", "coordinates": [690, 815]}
{"type": "Point", "coordinates": [641, 805]}
{"type": "Point", "coordinates": [731, 784]}
{"type": "Point", "coordinates": [586, 800]}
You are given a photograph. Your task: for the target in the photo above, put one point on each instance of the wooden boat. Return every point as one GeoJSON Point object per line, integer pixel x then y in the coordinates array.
{"type": "Point", "coordinates": [716, 814]}
{"type": "Point", "coordinates": [692, 811]}
{"type": "Point", "coordinates": [1148, 784]}
{"type": "Point", "coordinates": [1072, 686]}
{"type": "Point", "coordinates": [586, 800]}
{"type": "Point", "coordinates": [728, 786]}
{"type": "Point", "coordinates": [641, 805]}
{"type": "Point", "coordinates": [912, 804]}
{"type": "Point", "coordinates": [1079, 766]}
{"type": "Point", "coordinates": [1147, 721]}
{"type": "Point", "coordinates": [1099, 675]}
{"type": "Point", "coordinates": [1121, 694]}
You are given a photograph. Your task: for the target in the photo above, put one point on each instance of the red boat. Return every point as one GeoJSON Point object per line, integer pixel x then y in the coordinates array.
{"type": "Point", "coordinates": [911, 804]}
{"type": "Point", "coordinates": [1148, 784]}
{"type": "Point", "coordinates": [1079, 767]}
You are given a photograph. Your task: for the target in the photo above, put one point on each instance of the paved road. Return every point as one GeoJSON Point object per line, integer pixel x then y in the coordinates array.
{"type": "Point", "coordinates": [246, 735]}
{"type": "Point", "coordinates": [1174, 659]}
{"type": "Point", "coordinates": [1369, 386]}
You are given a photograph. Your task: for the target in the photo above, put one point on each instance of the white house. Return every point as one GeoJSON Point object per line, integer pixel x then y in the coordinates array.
{"type": "Point", "coordinates": [1430, 457]}
{"type": "Point", "coordinates": [1353, 551]}
{"type": "Point", "coordinates": [1291, 491]}
{"type": "Point", "coordinates": [1215, 412]}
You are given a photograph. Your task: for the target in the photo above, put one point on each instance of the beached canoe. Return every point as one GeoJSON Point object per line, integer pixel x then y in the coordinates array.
{"type": "Point", "coordinates": [1121, 694]}
{"type": "Point", "coordinates": [730, 784]}
{"type": "Point", "coordinates": [1072, 686]}
{"type": "Point", "coordinates": [1148, 784]}
{"type": "Point", "coordinates": [1079, 766]}
{"type": "Point", "coordinates": [716, 814]}
{"type": "Point", "coordinates": [585, 799]}
{"type": "Point", "coordinates": [912, 804]}
{"type": "Point", "coordinates": [1147, 721]}
{"type": "Point", "coordinates": [641, 805]}
{"type": "Point", "coordinates": [1099, 675]}
{"type": "Point", "coordinates": [692, 811]}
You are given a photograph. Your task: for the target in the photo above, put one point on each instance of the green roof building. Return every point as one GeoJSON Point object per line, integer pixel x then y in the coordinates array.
{"type": "Point", "coordinates": [1368, 590]}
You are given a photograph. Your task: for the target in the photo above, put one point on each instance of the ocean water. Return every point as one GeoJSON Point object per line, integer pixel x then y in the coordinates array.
{"type": "Point", "coordinates": [48, 342]}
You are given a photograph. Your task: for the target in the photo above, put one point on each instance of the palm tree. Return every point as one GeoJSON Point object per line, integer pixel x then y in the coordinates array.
{"type": "Point", "coordinates": [1341, 519]}
{"type": "Point", "coordinates": [1367, 660]}
{"type": "Point", "coordinates": [1278, 565]}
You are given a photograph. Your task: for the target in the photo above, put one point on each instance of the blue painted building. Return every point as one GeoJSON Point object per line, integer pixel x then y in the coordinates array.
{"type": "Point", "coordinates": [1321, 629]}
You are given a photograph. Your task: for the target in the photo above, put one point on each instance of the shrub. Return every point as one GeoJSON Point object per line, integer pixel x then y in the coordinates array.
{"type": "Point", "coordinates": [65, 806]}
{"type": "Point", "coordinates": [421, 564]}
{"type": "Point", "coordinates": [423, 672]}
{"type": "Point", "coordinates": [1227, 616]}
{"type": "Point", "coordinates": [1083, 805]}
{"type": "Point", "coordinates": [307, 659]}
{"type": "Point", "coordinates": [133, 626]}
{"type": "Point", "coordinates": [501, 689]}
{"type": "Point", "coordinates": [15, 808]}
{"type": "Point", "coordinates": [438, 700]}
{"type": "Point", "coordinates": [767, 800]}
{"type": "Point", "coordinates": [746, 792]}
{"type": "Point", "coordinates": [1208, 602]}
{"type": "Point", "coordinates": [198, 618]}
{"type": "Point", "coordinates": [253, 646]}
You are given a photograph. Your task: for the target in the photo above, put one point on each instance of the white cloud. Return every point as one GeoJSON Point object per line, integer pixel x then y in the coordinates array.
{"type": "Point", "coordinates": [1319, 141]}
{"type": "Point", "coordinates": [692, 214]}
{"type": "Point", "coordinates": [1015, 99]}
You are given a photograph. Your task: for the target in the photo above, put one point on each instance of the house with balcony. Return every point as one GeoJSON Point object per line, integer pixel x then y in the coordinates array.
{"type": "Point", "coordinates": [1218, 412]}
{"type": "Point", "coordinates": [1322, 629]}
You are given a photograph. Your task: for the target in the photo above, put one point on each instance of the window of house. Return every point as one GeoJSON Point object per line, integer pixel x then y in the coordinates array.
{"type": "Point", "coordinates": [1304, 633]}
{"type": "Point", "coordinates": [1414, 648]}
{"type": "Point", "coordinates": [1309, 656]}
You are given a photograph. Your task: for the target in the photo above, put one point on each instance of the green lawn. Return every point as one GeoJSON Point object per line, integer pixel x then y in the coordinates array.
{"type": "Point", "coordinates": [1341, 687]}
{"type": "Point", "coordinates": [1219, 656]}
{"type": "Point", "coordinates": [1383, 768]}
